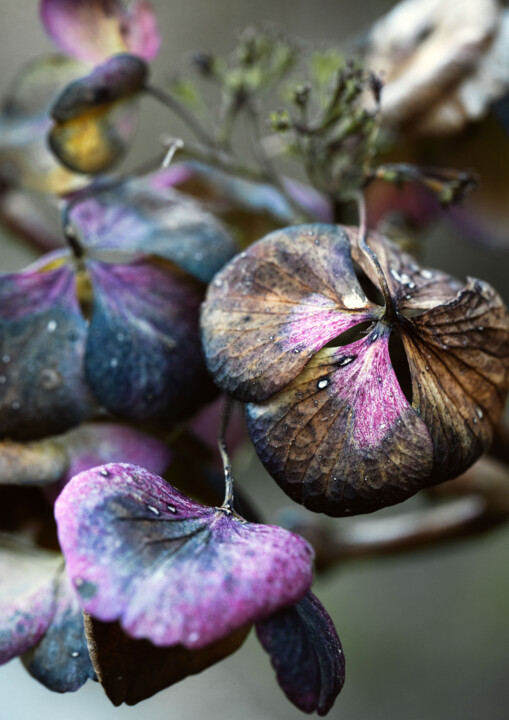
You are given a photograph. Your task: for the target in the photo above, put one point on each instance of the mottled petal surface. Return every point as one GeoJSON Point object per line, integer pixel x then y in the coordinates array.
{"type": "Point", "coordinates": [342, 438]}
{"type": "Point", "coordinates": [42, 343]}
{"type": "Point", "coordinates": [91, 30]}
{"type": "Point", "coordinates": [459, 362]}
{"type": "Point", "coordinates": [133, 670]}
{"type": "Point", "coordinates": [27, 590]}
{"type": "Point", "coordinates": [143, 357]}
{"type": "Point", "coordinates": [139, 217]}
{"type": "Point", "coordinates": [272, 307]}
{"type": "Point", "coordinates": [60, 660]}
{"type": "Point", "coordinates": [306, 654]}
{"type": "Point", "coordinates": [171, 570]}
{"type": "Point", "coordinates": [25, 121]}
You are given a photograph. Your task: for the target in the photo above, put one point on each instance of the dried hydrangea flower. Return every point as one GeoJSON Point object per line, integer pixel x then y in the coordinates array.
{"type": "Point", "coordinates": [327, 415]}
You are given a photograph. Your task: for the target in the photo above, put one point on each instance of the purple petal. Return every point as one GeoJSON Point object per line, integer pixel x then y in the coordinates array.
{"type": "Point", "coordinates": [92, 445]}
{"type": "Point", "coordinates": [138, 217]}
{"type": "Point", "coordinates": [228, 192]}
{"type": "Point", "coordinates": [42, 345]}
{"type": "Point", "coordinates": [143, 358]}
{"type": "Point", "coordinates": [169, 569]}
{"type": "Point", "coordinates": [118, 78]}
{"type": "Point", "coordinates": [306, 654]}
{"type": "Point", "coordinates": [342, 438]}
{"type": "Point", "coordinates": [25, 122]}
{"type": "Point", "coordinates": [27, 588]}
{"type": "Point", "coordinates": [60, 660]}
{"type": "Point", "coordinates": [93, 30]}
{"type": "Point", "coordinates": [272, 307]}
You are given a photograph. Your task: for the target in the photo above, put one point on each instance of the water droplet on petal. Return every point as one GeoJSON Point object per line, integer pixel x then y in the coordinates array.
{"type": "Point", "coordinates": [113, 362]}
{"type": "Point", "coordinates": [75, 654]}
{"type": "Point", "coordinates": [104, 472]}
{"type": "Point", "coordinates": [172, 508]}
{"type": "Point", "coordinates": [6, 359]}
{"type": "Point", "coordinates": [193, 637]}
{"type": "Point", "coordinates": [51, 326]}
{"type": "Point", "coordinates": [153, 509]}
{"type": "Point", "coordinates": [322, 384]}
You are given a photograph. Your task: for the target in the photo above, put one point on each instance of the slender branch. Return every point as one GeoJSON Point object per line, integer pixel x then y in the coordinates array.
{"type": "Point", "coordinates": [171, 102]}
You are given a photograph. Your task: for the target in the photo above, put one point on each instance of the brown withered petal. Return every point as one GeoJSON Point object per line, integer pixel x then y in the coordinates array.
{"type": "Point", "coordinates": [132, 670]}
{"type": "Point", "coordinates": [412, 286]}
{"type": "Point", "coordinates": [270, 309]}
{"type": "Point", "coordinates": [32, 463]}
{"type": "Point", "coordinates": [342, 438]}
{"type": "Point", "coordinates": [458, 355]}
{"type": "Point", "coordinates": [340, 428]}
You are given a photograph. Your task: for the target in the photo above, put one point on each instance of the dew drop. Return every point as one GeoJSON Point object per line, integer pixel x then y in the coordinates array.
{"type": "Point", "coordinates": [479, 413]}
{"type": "Point", "coordinates": [322, 384]}
{"type": "Point", "coordinates": [411, 285]}
{"type": "Point", "coordinates": [104, 473]}
{"type": "Point", "coordinates": [345, 360]}
{"type": "Point", "coordinates": [153, 509]}
{"type": "Point", "coordinates": [218, 282]}
{"type": "Point", "coordinates": [51, 326]}
{"type": "Point", "coordinates": [75, 654]}
{"type": "Point", "coordinates": [408, 297]}
{"type": "Point", "coordinates": [113, 362]}
{"type": "Point", "coordinates": [193, 637]}
{"type": "Point", "coordinates": [271, 337]}
{"type": "Point", "coordinates": [426, 274]}
{"type": "Point", "coordinates": [379, 379]}
{"type": "Point", "coordinates": [6, 359]}
{"type": "Point", "coordinates": [480, 328]}
{"type": "Point", "coordinates": [474, 420]}
{"type": "Point", "coordinates": [172, 508]}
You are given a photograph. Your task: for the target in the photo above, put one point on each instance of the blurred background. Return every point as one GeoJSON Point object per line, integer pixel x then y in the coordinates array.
{"type": "Point", "coordinates": [425, 635]}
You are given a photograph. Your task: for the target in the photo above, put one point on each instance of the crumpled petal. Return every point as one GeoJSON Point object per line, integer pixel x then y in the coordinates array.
{"type": "Point", "coordinates": [458, 355]}
{"type": "Point", "coordinates": [60, 660]}
{"type": "Point", "coordinates": [42, 344]}
{"type": "Point", "coordinates": [143, 357]}
{"type": "Point", "coordinates": [171, 570]}
{"type": "Point", "coordinates": [275, 305]}
{"type": "Point", "coordinates": [91, 30]}
{"type": "Point", "coordinates": [133, 670]}
{"type": "Point", "coordinates": [306, 654]}
{"type": "Point", "coordinates": [138, 216]}
{"type": "Point", "coordinates": [342, 438]}
{"type": "Point", "coordinates": [25, 121]}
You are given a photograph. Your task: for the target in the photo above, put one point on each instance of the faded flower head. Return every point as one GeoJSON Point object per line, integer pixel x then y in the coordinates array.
{"type": "Point", "coordinates": [332, 416]}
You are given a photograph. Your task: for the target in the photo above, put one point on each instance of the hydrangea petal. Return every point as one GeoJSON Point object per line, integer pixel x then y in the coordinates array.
{"type": "Point", "coordinates": [276, 304]}
{"type": "Point", "coordinates": [31, 463]}
{"type": "Point", "coordinates": [95, 29]}
{"type": "Point", "coordinates": [411, 286]}
{"type": "Point", "coordinates": [27, 583]}
{"type": "Point", "coordinates": [42, 345]}
{"type": "Point", "coordinates": [342, 438]}
{"type": "Point", "coordinates": [60, 660]}
{"type": "Point", "coordinates": [138, 216]}
{"type": "Point", "coordinates": [171, 570]}
{"type": "Point", "coordinates": [132, 670]}
{"type": "Point", "coordinates": [143, 358]}
{"type": "Point", "coordinates": [458, 355]}
{"type": "Point", "coordinates": [25, 122]}
{"type": "Point", "coordinates": [306, 654]}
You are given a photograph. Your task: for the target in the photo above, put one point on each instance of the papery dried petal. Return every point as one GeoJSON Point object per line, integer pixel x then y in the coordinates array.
{"type": "Point", "coordinates": [171, 570]}
{"type": "Point", "coordinates": [276, 304]}
{"type": "Point", "coordinates": [133, 670]}
{"type": "Point", "coordinates": [95, 29]}
{"type": "Point", "coordinates": [31, 463]}
{"type": "Point", "coordinates": [458, 355]}
{"type": "Point", "coordinates": [60, 660]}
{"type": "Point", "coordinates": [306, 654]}
{"type": "Point", "coordinates": [143, 357]}
{"type": "Point", "coordinates": [342, 438]}
{"type": "Point", "coordinates": [137, 216]}
{"type": "Point", "coordinates": [42, 344]}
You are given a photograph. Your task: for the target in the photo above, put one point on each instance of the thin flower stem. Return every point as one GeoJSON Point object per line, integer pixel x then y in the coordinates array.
{"type": "Point", "coordinates": [171, 102]}
{"type": "Point", "coordinates": [390, 308]}
{"type": "Point", "coordinates": [228, 479]}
